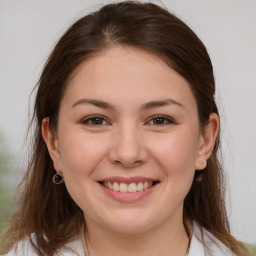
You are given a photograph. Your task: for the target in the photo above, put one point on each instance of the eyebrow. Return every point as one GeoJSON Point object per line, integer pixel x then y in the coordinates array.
{"type": "Point", "coordinates": [97, 103]}
{"type": "Point", "coordinates": [146, 106]}
{"type": "Point", "coordinates": [161, 103]}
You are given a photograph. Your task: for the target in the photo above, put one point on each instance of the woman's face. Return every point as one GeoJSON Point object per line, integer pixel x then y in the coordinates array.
{"type": "Point", "coordinates": [128, 122]}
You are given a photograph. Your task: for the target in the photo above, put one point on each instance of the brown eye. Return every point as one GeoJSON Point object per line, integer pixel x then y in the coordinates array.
{"type": "Point", "coordinates": [160, 120]}
{"type": "Point", "coordinates": [97, 121]}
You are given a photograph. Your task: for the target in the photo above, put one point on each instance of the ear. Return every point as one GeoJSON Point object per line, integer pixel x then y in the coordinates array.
{"type": "Point", "coordinates": [206, 141]}
{"type": "Point", "coordinates": [51, 140]}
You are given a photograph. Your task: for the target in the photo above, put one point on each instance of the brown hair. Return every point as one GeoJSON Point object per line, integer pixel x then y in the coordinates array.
{"type": "Point", "coordinates": [47, 211]}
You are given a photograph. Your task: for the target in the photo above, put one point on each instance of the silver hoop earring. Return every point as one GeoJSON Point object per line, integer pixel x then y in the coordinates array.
{"type": "Point", "coordinates": [199, 178]}
{"type": "Point", "coordinates": [57, 178]}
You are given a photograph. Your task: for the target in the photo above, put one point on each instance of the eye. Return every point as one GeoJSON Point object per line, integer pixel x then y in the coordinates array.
{"type": "Point", "coordinates": [160, 120]}
{"type": "Point", "coordinates": [95, 121]}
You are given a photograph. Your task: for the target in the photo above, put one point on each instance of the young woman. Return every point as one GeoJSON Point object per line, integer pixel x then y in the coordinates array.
{"type": "Point", "coordinates": [125, 144]}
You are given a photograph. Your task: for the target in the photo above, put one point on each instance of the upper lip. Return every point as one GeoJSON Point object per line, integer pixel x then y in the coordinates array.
{"type": "Point", "coordinates": [128, 180]}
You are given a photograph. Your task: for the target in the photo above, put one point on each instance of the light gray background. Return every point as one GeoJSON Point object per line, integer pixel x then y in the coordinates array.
{"type": "Point", "coordinates": [29, 29]}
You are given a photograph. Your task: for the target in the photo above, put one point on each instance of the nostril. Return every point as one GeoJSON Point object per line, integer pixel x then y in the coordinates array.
{"type": "Point", "coordinates": [127, 163]}
{"type": "Point", "coordinates": [127, 153]}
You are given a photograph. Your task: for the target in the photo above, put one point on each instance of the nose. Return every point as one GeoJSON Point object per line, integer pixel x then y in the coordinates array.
{"type": "Point", "coordinates": [127, 148]}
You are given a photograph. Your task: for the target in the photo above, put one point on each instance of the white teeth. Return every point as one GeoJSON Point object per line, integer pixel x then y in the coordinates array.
{"type": "Point", "coordinates": [145, 185]}
{"type": "Point", "coordinates": [131, 188]}
{"type": "Point", "coordinates": [140, 186]}
{"type": "Point", "coordinates": [109, 185]}
{"type": "Point", "coordinates": [123, 187]}
{"type": "Point", "coordinates": [115, 186]}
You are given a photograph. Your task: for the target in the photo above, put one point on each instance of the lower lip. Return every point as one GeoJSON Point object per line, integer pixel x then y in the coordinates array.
{"type": "Point", "coordinates": [128, 197]}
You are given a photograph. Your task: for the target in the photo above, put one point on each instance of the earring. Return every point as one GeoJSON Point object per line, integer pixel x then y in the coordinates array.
{"type": "Point", "coordinates": [204, 163]}
{"type": "Point", "coordinates": [57, 178]}
{"type": "Point", "coordinates": [199, 178]}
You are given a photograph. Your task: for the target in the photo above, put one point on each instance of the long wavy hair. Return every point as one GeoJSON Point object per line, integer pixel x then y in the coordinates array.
{"type": "Point", "coordinates": [46, 214]}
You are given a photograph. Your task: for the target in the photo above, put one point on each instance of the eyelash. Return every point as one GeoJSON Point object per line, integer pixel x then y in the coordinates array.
{"type": "Point", "coordinates": [166, 120]}
{"type": "Point", "coordinates": [100, 121]}
{"type": "Point", "coordinates": [90, 120]}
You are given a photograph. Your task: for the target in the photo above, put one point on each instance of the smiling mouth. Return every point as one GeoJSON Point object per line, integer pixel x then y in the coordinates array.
{"type": "Point", "coordinates": [128, 187]}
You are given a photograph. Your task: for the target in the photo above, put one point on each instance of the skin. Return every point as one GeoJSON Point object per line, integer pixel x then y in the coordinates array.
{"type": "Point", "coordinates": [129, 141]}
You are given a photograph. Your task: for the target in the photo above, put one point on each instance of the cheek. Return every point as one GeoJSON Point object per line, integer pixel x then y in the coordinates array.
{"type": "Point", "coordinates": [176, 153]}
{"type": "Point", "coordinates": [81, 153]}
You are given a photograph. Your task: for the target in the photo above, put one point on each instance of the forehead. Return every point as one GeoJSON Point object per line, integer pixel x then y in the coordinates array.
{"type": "Point", "coordinates": [129, 73]}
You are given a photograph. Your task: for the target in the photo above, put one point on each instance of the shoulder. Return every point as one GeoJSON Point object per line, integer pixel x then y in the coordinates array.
{"type": "Point", "coordinates": [211, 247]}
{"type": "Point", "coordinates": [25, 248]}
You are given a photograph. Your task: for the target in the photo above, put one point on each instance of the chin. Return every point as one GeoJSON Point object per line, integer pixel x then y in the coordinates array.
{"type": "Point", "coordinates": [130, 223]}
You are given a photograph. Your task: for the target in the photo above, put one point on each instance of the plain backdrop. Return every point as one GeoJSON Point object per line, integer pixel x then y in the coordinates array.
{"type": "Point", "coordinates": [30, 28]}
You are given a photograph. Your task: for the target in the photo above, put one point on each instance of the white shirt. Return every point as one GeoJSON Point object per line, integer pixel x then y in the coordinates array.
{"type": "Point", "coordinates": [214, 246]}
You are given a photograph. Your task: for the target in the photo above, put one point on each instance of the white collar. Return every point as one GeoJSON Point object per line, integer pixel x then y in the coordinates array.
{"type": "Point", "coordinates": [212, 247]}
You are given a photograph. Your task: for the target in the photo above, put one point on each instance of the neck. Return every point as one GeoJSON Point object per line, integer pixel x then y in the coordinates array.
{"type": "Point", "coordinates": [168, 239]}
